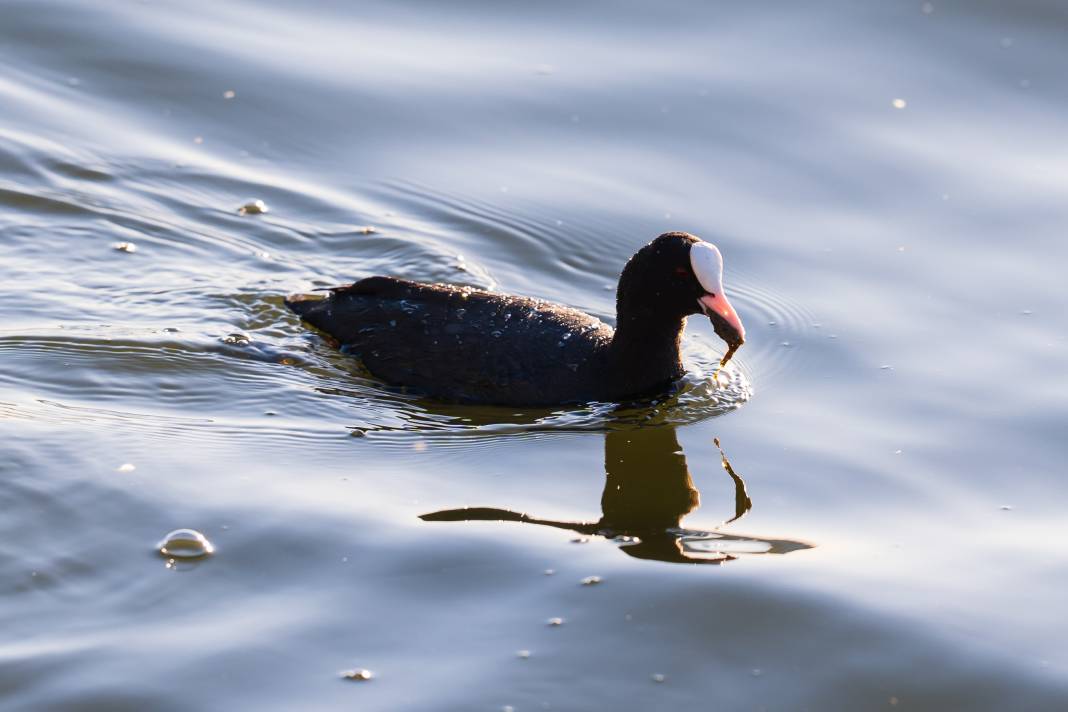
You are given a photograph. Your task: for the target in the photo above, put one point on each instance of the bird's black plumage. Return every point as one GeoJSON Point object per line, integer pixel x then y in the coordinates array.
{"type": "Point", "coordinates": [466, 345]}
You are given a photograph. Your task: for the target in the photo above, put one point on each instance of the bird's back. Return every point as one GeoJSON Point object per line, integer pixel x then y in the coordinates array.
{"type": "Point", "coordinates": [466, 345]}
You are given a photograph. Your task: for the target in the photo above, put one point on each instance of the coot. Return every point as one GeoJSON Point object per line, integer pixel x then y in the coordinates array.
{"type": "Point", "coordinates": [470, 346]}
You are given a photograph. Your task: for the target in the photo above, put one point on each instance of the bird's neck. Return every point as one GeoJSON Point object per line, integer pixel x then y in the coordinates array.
{"type": "Point", "coordinates": [644, 355]}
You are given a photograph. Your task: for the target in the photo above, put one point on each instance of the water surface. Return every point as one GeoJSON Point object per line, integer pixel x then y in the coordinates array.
{"type": "Point", "coordinates": [888, 186]}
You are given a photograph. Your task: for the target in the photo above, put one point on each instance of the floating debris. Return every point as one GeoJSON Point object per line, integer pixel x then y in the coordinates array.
{"type": "Point", "coordinates": [549, 572]}
{"type": "Point", "coordinates": [124, 247]}
{"type": "Point", "coordinates": [554, 622]}
{"type": "Point", "coordinates": [253, 207]}
{"type": "Point", "coordinates": [522, 654]}
{"type": "Point", "coordinates": [658, 677]}
{"type": "Point", "coordinates": [899, 103]}
{"type": "Point", "coordinates": [591, 581]}
{"type": "Point", "coordinates": [358, 674]}
{"type": "Point", "coordinates": [237, 339]}
{"type": "Point", "coordinates": [185, 544]}
{"type": "Point", "coordinates": [126, 467]}
{"type": "Point", "coordinates": [366, 230]}
{"type": "Point", "coordinates": [229, 94]}
{"type": "Point", "coordinates": [581, 540]}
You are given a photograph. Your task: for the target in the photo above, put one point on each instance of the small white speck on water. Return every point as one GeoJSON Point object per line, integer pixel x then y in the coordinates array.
{"type": "Point", "coordinates": [1026, 312]}
{"type": "Point", "coordinates": [897, 452]}
{"type": "Point", "coordinates": [787, 344]}
{"type": "Point", "coordinates": [126, 467]}
{"type": "Point", "coordinates": [366, 229]}
{"type": "Point", "coordinates": [658, 677]}
{"type": "Point", "coordinates": [756, 672]}
{"type": "Point", "coordinates": [357, 674]}
{"type": "Point", "coordinates": [773, 323]}
{"type": "Point", "coordinates": [522, 654]}
{"type": "Point", "coordinates": [507, 708]}
{"type": "Point", "coordinates": [229, 94]}
{"type": "Point", "coordinates": [549, 572]}
{"type": "Point", "coordinates": [886, 367]}
{"type": "Point", "coordinates": [591, 581]}
{"type": "Point", "coordinates": [419, 446]}
{"type": "Point", "coordinates": [124, 247]}
{"type": "Point", "coordinates": [253, 207]}
{"type": "Point", "coordinates": [899, 103]}
{"type": "Point", "coordinates": [554, 622]}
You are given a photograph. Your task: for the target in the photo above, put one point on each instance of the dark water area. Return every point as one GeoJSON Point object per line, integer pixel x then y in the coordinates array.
{"type": "Point", "coordinates": [884, 528]}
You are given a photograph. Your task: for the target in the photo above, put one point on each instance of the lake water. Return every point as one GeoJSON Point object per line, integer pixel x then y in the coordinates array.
{"type": "Point", "coordinates": [888, 183]}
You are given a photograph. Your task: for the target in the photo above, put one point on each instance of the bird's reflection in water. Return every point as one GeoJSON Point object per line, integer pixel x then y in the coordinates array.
{"type": "Point", "coordinates": [647, 492]}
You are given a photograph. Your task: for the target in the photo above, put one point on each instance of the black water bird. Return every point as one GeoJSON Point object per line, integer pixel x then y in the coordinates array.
{"type": "Point", "coordinates": [470, 346]}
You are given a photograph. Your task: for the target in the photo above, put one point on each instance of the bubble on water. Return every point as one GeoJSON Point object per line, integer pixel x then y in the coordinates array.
{"type": "Point", "coordinates": [126, 467]}
{"type": "Point", "coordinates": [124, 247]}
{"type": "Point", "coordinates": [185, 544]}
{"type": "Point", "coordinates": [358, 674]}
{"type": "Point", "coordinates": [658, 677]}
{"type": "Point", "coordinates": [553, 622]}
{"type": "Point", "coordinates": [899, 103]}
{"type": "Point", "coordinates": [237, 339]}
{"type": "Point", "coordinates": [229, 94]}
{"type": "Point", "coordinates": [253, 207]}
{"type": "Point", "coordinates": [522, 654]}
{"type": "Point", "coordinates": [591, 581]}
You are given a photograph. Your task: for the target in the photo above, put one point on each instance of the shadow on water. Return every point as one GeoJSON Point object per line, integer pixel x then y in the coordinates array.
{"type": "Point", "coordinates": [648, 491]}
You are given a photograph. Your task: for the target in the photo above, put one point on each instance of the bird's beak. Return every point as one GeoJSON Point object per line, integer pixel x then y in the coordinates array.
{"type": "Point", "coordinates": [725, 321]}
